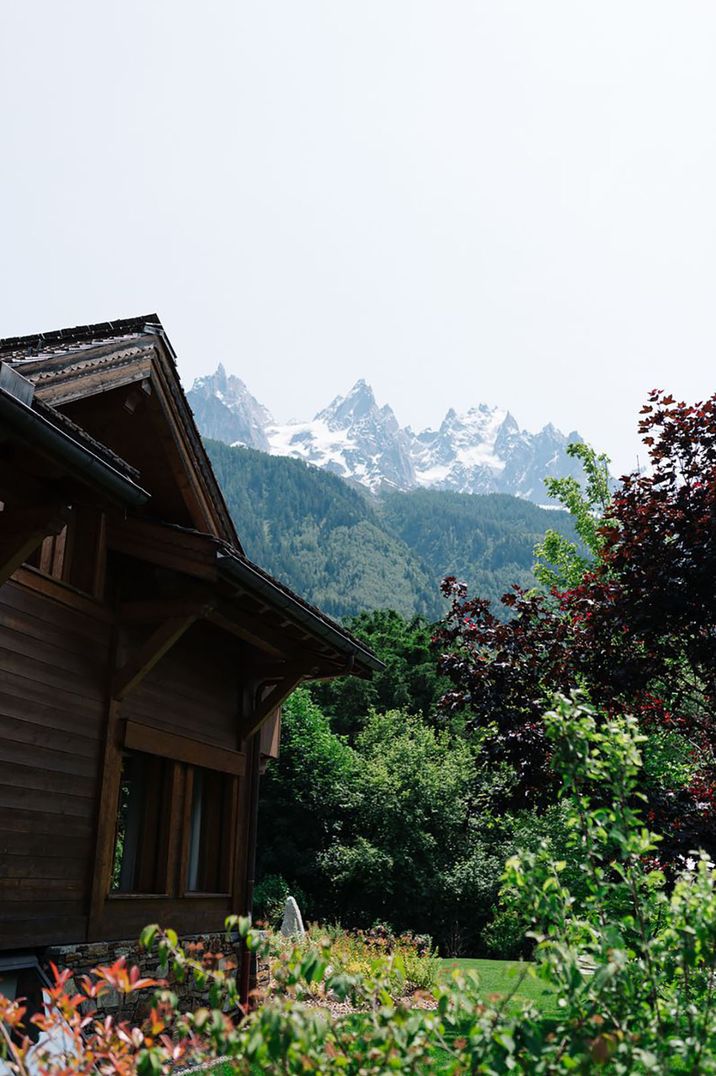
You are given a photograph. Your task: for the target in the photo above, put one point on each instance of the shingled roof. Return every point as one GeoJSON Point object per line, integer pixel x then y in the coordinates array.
{"type": "Point", "coordinates": [17, 349]}
{"type": "Point", "coordinates": [26, 353]}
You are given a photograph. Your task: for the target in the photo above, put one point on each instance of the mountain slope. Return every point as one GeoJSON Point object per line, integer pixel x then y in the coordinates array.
{"type": "Point", "coordinates": [481, 450]}
{"type": "Point", "coordinates": [487, 540]}
{"type": "Point", "coordinates": [348, 552]}
{"type": "Point", "coordinates": [226, 410]}
{"type": "Point", "coordinates": [319, 535]}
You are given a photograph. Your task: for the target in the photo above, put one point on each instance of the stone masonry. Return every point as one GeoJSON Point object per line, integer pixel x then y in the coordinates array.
{"type": "Point", "coordinates": [213, 950]}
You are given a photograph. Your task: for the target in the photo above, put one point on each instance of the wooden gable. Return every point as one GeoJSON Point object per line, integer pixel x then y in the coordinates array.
{"type": "Point", "coordinates": [125, 392]}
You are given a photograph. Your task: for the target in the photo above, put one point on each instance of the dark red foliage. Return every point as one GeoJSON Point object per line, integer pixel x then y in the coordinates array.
{"type": "Point", "coordinates": [639, 631]}
{"type": "Point", "coordinates": [652, 599]}
{"type": "Point", "coordinates": [499, 669]}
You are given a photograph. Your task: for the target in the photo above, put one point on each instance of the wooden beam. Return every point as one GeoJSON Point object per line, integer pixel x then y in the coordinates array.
{"type": "Point", "coordinates": [22, 530]}
{"type": "Point", "coordinates": [174, 826]}
{"type": "Point", "coordinates": [183, 748]}
{"type": "Point", "coordinates": [59, 592]}
{"type": "Point", "coordinates": [256, 628]}
{"type": "Point", "coordinates": [110, 776]}
{"type": "Point", "coordinates": [169, 547]}
{"type": "Point", "coordinates": [273, 672]}
{"type": "Point", "coordinates": [147, 612]}
{"type": "Point", "coordinates": [270, 735]}
{"type": "Point", "coordinates": [246, 633]}
{"type": "Point", "coordinates": [131, 674]}
{"type": "Point", "coordinates": [263, 708]}
{"type": "Point", "coordinates": [185, 455]}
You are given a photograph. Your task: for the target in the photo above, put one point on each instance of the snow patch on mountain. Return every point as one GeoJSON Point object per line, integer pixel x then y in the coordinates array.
{"type": "Point", "coordinates": [352, 437]}
{"type": "Point", "coordinates": [481, 450]}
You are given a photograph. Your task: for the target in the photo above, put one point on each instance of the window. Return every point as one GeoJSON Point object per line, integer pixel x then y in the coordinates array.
{"type": "Point", "coordinates": [49, 555]}
{"type": "Point", "coordinates": [76, 554]}
{"type": "Point", "coordinates": [175, 827]}
{"type": "Point", "coordinates": [142, 832]}
{"type": "Point", "coordinates": [208, 858]}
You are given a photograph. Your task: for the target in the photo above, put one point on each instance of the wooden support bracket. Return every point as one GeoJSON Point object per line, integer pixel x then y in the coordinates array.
{"type": "Point", "coordinates": [264, 707]}
{"type": "Point", "coordinates": [162, 639]}
{"type": "Point", "coordinates": [150, 611]}
{"type": "Point", "coordinates": [250, 630]}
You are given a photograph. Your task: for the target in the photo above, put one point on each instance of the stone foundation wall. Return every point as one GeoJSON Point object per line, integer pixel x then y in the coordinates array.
{"type": "Point", "coordinates": [82, 958]}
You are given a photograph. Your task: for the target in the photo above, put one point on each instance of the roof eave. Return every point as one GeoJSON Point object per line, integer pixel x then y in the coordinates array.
{"type": "Point", "coordinates": [81, 462]}
{"type": "Point", "coordinates": [242, 571]}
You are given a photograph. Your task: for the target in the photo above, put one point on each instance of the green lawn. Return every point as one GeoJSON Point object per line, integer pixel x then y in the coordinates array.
{"type": "Point", "coordinates": [505, 978]}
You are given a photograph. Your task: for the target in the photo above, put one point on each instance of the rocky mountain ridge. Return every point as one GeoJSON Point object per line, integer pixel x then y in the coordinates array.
{"type": "Point", "coordinates": [481, 450]}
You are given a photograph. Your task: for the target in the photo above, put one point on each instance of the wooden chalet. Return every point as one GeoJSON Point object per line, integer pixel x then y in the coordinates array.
{"type": "Point", "coordinates": [143, 657]}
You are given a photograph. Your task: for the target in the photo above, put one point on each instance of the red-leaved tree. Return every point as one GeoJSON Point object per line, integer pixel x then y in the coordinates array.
{"type": "Point", "coordinates": [638, 632]}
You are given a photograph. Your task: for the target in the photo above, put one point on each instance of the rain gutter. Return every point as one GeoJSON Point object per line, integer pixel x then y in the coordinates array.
{"type": "Point", "coordinates": [81, 462]}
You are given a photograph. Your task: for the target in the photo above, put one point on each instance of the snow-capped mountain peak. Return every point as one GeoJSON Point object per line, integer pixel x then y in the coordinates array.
{"type": "Point", "coordinates": [225, 410]}
{"type": "Point", "coordinates": [479, 450]}
{"type": "Point", "coordinates": [352, 437]}
{"type": "Point", "coordinates": [356, 406]}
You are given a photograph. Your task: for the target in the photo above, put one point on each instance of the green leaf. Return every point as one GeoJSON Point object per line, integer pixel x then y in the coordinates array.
{"type": "Point", "coordinates": [146, 938]}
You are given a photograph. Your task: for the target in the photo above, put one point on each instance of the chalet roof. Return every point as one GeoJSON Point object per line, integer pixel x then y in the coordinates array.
{"type": "Point", "coordinates": [66, 425]}
{"type": "Point", "coordinates": [310, 615]}
{"type": "Point", "coordinates": [57, 436]}
{"type": "Point", "coordinates": [63, 363]}
{"type": "Point", "coordinates": [238, 564]}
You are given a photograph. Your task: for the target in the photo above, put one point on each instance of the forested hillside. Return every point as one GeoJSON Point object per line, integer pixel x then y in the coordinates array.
{"type": "Point", "coordinates": [487, 540]}
{"type": "Point", "coordinates": [347, 551]}
{"type": "Point", "coordinates": [319, 535]}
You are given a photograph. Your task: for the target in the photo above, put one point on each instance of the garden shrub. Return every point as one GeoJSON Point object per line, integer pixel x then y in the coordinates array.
{"type": "Point", "coordinates": [409, 959]}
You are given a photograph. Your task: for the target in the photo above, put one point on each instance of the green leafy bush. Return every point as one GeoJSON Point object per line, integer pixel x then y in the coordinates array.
{"type": "Point", "coordinates": [670, 759]}
{"type": "Point", "coordinates": [395, 856]}
{"type": "Point", "coordinates": [409, 682]}
{"type": "Point", "coordinates": [394, 827]}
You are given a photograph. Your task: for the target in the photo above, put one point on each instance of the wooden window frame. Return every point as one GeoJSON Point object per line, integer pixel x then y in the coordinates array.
{"type": "Point", "coordinates": [83, 536]}
{"type": "Point", "coordinates": [231, 839]}
{"type": "Point", "coordinates": [62, 592]}
{"type": "Point", "coordinates": [164, 841]}
{"type": "Point", "coordinates": [185, 754]}
{"type": "Point", "coordinates": [153, 741]}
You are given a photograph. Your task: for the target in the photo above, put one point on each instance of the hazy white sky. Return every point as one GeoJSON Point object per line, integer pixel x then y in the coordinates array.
{"type": "Point", "coordinates": [509, 202]}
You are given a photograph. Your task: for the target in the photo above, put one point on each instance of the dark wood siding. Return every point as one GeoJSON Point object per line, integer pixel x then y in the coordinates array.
{"type": "Point", "coordinates": [53, 661]}
{"type": "Point", "coordinates": [193, 691]}
{"type": "Point", "coordinates": [125, 918]}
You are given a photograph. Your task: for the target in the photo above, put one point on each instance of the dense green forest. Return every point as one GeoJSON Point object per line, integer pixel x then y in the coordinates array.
{"type": "Point", "coordinates": [488, 540]}
{"type": "Point", "coordinates": [349, 552]}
